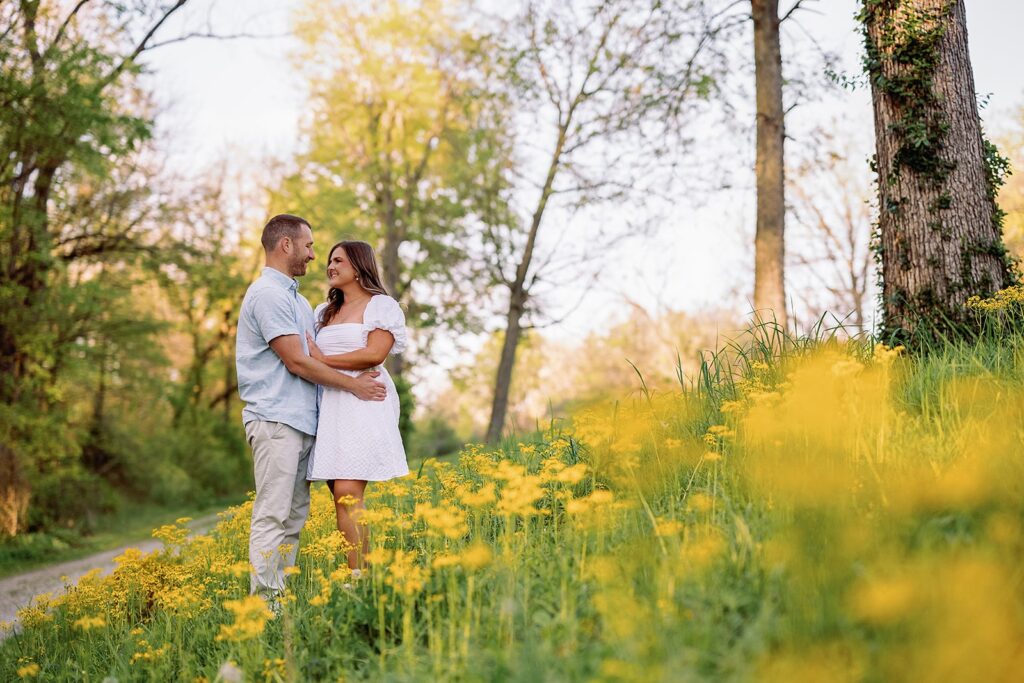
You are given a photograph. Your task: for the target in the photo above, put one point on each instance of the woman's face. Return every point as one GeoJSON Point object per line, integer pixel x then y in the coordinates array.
{"type": "Point", "coordinates": [339, 269]}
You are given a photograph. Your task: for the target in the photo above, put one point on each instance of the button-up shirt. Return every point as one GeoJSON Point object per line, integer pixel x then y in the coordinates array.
{"type": "Point", "coordinates": [273, 308]}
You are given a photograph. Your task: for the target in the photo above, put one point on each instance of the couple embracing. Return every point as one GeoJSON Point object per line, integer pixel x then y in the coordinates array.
{"type": "Point", "coordinates": [319, 405]}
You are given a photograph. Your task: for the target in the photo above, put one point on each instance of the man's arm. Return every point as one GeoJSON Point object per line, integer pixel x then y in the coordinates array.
{"type": "Point", "coordinates": [289, 350]}
{"type": "Point", "coordinates": [378, 346]}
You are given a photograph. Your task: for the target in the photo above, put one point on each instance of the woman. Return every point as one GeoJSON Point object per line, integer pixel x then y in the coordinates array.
{"type": "Point", "coordinates": [356, 441]}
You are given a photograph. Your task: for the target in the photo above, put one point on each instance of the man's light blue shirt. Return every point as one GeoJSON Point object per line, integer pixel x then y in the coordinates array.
{"type": "Point", "coordinates": [273, 308]}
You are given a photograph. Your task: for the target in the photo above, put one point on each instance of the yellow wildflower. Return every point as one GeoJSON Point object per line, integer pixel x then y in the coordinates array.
{"type": "Point", "coordinates": [701, 502]}
{"type": "Point", "coordinates": [883, 354]}
{"type": "Point", "coordinates": [381, 556]}
{"type": "Point", "coordinates": [520, 494]}
{"type": "Point", "coordinates": [484, 495]}
{"type": "Point", "coordinates": [667, 527]}
{"type": "Point", "coordinates": [447, 560]}
{"type": "Point", "coordinates": [89, 623]}
{"type": "Point", "coordinates": [476, 556]}
{"type": "Point", "coordinates": [274, 670]}
{"type": "Point", "coordinates": [572, 475]}
{"type": "Point", "coordinates": [404, 575]}
{"type": "Point", "coordinates": [883, 600]}
{"type": "Point", "coordinates": [29, 670]}
{"type": "Point", "coordinates": [250, 616]}
{"type": "Point", "coordinates": [731, 406]}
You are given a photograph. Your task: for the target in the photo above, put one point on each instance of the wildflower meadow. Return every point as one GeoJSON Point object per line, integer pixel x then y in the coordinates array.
{"type": "Point", "coordinates": [806, 509]}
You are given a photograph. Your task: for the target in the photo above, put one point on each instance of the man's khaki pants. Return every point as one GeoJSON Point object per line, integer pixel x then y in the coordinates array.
{"type": "Point", "coordinates": [280, 455]}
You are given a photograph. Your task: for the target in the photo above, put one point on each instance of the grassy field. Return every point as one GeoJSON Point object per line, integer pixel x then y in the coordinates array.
{"type": "Point", "coordinates": [135, 521]}
{"type": "Point", "coordinates": [806, 510]}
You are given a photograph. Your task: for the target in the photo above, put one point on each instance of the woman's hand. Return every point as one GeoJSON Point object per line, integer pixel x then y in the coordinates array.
{"type": "Point", "coordinates": [314, 350]}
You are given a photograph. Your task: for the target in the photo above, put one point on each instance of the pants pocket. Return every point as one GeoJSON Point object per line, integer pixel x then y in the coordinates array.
{"type": "Point", "coordinates": [251, 429]}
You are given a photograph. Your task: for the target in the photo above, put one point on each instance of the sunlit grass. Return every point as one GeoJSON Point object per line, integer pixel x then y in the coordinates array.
{"type": "Point", "coordinates": [803, 510]}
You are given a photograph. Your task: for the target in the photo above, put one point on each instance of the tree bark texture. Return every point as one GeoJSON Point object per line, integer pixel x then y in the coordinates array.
{"type": "Point", "coordinates": [939, 239]}
{"type": "Point", "coordinates": [769, 241]}
{"type": "Point", "coordinates": [503, 380]}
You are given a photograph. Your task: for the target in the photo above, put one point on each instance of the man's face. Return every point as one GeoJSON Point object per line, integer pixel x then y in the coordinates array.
{"type": "Point", "coordinates": [301, 252]}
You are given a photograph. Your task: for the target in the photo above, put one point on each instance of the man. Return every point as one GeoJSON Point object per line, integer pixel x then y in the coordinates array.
{"type": "Point", "coordinates": [277, 381]}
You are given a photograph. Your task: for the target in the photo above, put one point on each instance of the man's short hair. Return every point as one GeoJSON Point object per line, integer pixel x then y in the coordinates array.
{"type": "Point", "coordinates": [281, 225]}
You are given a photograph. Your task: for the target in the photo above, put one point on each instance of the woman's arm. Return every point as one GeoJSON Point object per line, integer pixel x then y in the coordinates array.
{"type": "Point", "coordinates": [289, 350]}
{"type": "Point", "coordinates": [378, 346]}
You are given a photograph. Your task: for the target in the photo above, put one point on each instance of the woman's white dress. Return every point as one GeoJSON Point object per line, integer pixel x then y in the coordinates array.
{"type": "Point", "coordinates": [358, 439]}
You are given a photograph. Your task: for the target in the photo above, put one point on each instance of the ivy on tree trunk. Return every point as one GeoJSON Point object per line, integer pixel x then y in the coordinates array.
{"type": "Point", "coordinates": [939, 234]}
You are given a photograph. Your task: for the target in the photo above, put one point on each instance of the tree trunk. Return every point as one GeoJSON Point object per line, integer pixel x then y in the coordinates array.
{"type": "Point", "coordinates": [941, 239]}
{"type": "Point", "coordinates": [229, 366]}
{"type": "Point", "coordinates": [503, 380]}
{"type": "Point", "coordinates": [14, 492]}
{"type": "Point", "coordinates": [29, 282]}
{"type": "Point", "coordinates": [769, 243]}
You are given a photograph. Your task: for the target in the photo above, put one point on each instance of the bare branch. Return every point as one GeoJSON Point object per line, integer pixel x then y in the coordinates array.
{"type": "Point", "coordinates": [215, 36]}
{"type": "Point", "coordinates": [141, 46]}
{"type": "Point", "coordinates": [796, 6]}
{"type": "Point", "coordinates": [64, 25]}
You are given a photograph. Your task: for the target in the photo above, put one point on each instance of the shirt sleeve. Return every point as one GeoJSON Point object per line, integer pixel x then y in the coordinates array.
{"type": "Point", "coordinates": [384, 313]}
{"type": "Point", "coordinates": [274, 313]}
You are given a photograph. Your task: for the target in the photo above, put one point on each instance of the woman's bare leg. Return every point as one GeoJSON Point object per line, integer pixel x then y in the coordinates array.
{"type": "Point", "coordinates": [348, 518]}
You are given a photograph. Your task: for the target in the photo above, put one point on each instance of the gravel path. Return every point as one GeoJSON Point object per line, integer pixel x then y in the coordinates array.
{"type": "Point", "coordinates": [17, 591]}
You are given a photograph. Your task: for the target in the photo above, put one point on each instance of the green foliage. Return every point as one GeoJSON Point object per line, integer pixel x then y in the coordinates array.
{"type": "Point", "coordinates": [407, 404]}
{"type": "Point", "coordinates": [401, 150]}
{"type": "Point", "coordinates": [909, 40]}
{"type": "Point", "coordinates": [433, 437]}
{"type": "Point", "coordinates": [88, 359]}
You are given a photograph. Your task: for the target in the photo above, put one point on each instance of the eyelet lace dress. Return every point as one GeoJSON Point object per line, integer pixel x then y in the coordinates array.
{"type": "Point", "coordinates": [358, 439]}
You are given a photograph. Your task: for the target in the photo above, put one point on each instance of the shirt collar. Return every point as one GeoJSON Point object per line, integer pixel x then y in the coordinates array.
{"type": "Point", "coordinates": [280, 278]}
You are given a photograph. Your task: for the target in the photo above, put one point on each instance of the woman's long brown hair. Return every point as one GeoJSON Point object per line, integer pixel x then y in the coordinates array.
{"type": "Point", "coordinates": [362, 258]}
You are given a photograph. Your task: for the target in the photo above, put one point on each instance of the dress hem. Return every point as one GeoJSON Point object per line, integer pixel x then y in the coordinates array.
{"type": "Point", "coordinates": [321, 478]}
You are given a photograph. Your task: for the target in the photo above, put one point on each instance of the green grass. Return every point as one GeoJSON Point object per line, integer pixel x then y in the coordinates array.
{"type": "Point", "coordinates": [803, 510]}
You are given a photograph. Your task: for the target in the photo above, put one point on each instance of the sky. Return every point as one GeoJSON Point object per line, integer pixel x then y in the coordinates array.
{"type": "Point", "coordinates": [243, 98]}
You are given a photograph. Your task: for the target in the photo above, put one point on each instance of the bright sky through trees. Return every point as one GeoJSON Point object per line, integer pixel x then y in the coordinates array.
{"type": "Point", "coordinates": [245, 97]}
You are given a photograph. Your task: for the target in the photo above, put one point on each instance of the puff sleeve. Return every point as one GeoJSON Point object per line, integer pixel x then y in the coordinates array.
{"type": "Point", "coordinates": [384, 313]}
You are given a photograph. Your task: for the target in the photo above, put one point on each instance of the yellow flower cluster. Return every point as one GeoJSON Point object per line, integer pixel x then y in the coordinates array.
{"type": "Point", "coordinates": [446, 521]}
{"type": "Point", "coordinates": [89, 623]}
{"type": "Point", "coordinates": [147, 653]}
{"type": "Point", "coordinates": [406, 576]}
{"type": "Point", "coordinates": [27, 668]}
{"type": "Point", "coordinates": [1005, 299]}
{"type": "Point", "coordinates": [251, 615]}
{"type": "Point", "coordinates": [473, 558]}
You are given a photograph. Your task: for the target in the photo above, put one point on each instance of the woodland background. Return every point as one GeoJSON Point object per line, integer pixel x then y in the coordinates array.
{"type": "Point", "coordinates": [497, 159]}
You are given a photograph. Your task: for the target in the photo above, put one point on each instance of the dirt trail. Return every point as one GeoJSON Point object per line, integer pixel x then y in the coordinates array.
{"type": "Point", "coordinates": [17, 591]}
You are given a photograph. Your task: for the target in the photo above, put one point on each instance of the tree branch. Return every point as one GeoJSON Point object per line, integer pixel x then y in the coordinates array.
{"type": "Point", "coordinates": [64, 25]}
{"type": "Point", "coordinates": [141, 46]}
{"type": "Point", "coordinates": [214, 36]}
{"type": "Point", "coordinates": [794, 8]}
